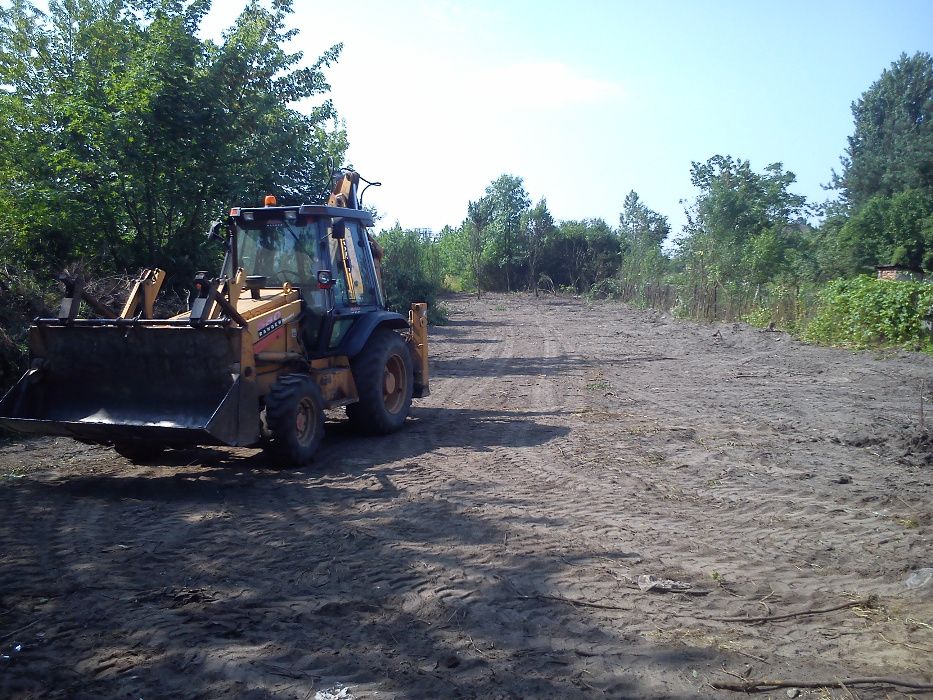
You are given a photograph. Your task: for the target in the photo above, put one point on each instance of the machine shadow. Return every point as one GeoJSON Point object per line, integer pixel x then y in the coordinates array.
{"type": "Point", "coordinates": [219, 473]}
{"type": "Point", "coordinates": [275, 590]}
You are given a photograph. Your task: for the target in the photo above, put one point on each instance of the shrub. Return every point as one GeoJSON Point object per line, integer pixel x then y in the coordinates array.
{"type": "Point", "coordinates": [21, 300]}
{"type": "Point", "coordinates": [412, 272]}
{"type": "Point", "coordinates": [864, 312]}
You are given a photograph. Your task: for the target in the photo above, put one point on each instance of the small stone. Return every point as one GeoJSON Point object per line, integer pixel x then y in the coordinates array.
{"type": "Point", "coordinates": [793, 692]}
{"type": "Point", "coordinates": [844, 479]}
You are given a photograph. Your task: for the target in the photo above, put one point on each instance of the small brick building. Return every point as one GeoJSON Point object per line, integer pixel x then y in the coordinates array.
{"type": "Point", "coordinates": [897, 273]}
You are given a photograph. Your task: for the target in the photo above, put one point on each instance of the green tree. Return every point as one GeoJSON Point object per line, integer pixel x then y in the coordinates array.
{"type": "Point", "coordinates": [477, 221]}
{"type": "Point", "coordinates": [412, 269]}
{"type": "Point", "coordinates": [538, 227]}
{"type": "Point", "coordinates": [895, 230]}
{"type": "Point", "coordinates": [639, 223]}
{"type": "Point", "coordinates": [582, 253]}
{"type": "Point", "coordinates": [453, 247]}
{"type": "Point", "coordinates": [891, 148]}
{"type": "Point", "coordinates": [506, 200]}
{"type": "Point", "coordinates": [642, 230]}
{"type": "Point", "coordinates": [739, 233]}
{"type": "Point", "coordinates": [126, 133]}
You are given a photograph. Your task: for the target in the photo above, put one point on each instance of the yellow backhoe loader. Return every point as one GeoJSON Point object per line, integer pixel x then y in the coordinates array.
{"type": "Point", "coordinates": [296, 323]}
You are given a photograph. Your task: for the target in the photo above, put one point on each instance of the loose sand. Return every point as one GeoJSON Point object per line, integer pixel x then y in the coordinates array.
{"type": "Point", "coordinates": [492, 548]}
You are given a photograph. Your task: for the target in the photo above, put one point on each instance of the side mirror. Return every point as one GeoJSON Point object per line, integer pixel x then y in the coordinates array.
{"type": "Point", "coordinates": [214, 233]}
{"type": "Point", "coordinates": [325, 280]}
{"type": "Point", "coordinates": [338, 229]}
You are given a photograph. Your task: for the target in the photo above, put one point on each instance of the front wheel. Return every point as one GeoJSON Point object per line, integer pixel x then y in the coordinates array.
{"type": "Point", "coordinates": [384, 382]}
{"type": "Point", "coordinates": [295, 418]}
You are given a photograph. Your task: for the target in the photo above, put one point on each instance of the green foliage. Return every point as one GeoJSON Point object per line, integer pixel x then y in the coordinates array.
{"type": "Point", "coordinates": [891, 149]}
{"type": "Point", "coordinates": [787, 307]}
{"type": "Point", "coordinates": [865, 312]}
{"type": "Point", "coordinates": [453, 247]}
{"type": "Point", "coordinates": [22, 298]}
{"type": "Point", "coordinates": [581, 253]}
{"type": "Point", "coordinates": [641, 224]}
{"type": "Point", "coordinates": [891, 230]}
{"type": "Point", "coordinates": [642, 230]}
{"type": "Point", "coordinates": [537, 226]}
{"type": "Point", "coordinates": [759, 316]}
{"type": "Point", "coordinates": [126, 133]}
{"type": "Point", "coordinates": [745, 229]}
{"type": "Point", "coordinates": [412, 271]}
{"type": "Point", "coordinates": [499, 214]}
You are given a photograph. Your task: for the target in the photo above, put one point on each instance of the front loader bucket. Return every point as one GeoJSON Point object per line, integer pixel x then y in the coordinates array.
{"type": "Point", "coordinates": [174, 385]}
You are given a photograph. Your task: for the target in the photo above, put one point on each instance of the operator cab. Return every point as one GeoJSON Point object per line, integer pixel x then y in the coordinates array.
{"type": "Point", "coordinates": [323, 251]}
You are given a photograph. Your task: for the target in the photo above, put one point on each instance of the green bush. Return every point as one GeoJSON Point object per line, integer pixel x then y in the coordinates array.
{"type": "Point", "coordinates": [866, 312]}
{"type": "Point", "coordinates": [610, 288]}
{"type": "Point", "coordinates": [759, 316]}
{"type": "Point", "coordinates": [412, 272]}
{"type": "Point", "coordinates": [21, 300]}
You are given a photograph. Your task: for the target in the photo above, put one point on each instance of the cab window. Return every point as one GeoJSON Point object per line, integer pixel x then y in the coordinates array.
{"type": "Point", "coordinates": [353, 265]}
{"type": "Point", "coordinates": [281, 251]}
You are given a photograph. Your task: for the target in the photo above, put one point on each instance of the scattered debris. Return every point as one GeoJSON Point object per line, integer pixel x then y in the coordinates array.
{"type": "Point", "coordinates": [647, 582]}
{"type": "Point", "coordinates": [919, 578]}
{"type": "Point", "coordinates": [338, 692]}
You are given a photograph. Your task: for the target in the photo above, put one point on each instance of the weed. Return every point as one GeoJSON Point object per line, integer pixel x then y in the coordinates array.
{"type": "Point", "coordinates": [865, 312]}
{"type": "Point", "coordinates": [598, 385]}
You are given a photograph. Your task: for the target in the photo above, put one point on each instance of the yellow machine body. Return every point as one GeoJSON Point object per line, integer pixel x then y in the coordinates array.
{"type": "Point", "coordinates": [204, 376]}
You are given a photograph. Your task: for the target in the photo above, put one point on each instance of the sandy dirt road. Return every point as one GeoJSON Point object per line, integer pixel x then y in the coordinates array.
{"type": "Point", "coordinates": [492, 549]}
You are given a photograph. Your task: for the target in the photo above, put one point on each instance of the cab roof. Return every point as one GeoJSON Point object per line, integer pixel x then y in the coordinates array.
{"type": "Point", "coordinates": [316, 210]}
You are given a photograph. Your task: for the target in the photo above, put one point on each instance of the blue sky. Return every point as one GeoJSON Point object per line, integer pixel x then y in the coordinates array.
{"type": "Point", "coordinates": [587, 100]}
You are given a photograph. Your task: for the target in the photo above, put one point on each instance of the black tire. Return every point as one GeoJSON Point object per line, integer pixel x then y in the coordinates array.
{"type": "Point", "coordinates": [138, 452]}
{"type": "Point", "coordinates": [384, 381]}
{"type": "Point", "coordinates": [295, 418]}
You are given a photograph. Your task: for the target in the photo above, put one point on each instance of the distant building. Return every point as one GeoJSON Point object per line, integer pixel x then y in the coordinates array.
{"type": "Point", "coordinates": [898, 273]}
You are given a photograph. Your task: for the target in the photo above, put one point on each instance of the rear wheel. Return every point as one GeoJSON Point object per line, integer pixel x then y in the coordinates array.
{"type": "Point", "coordinates": [295, 419]}
{"type": "Point", "coordinates": [138, 452]}
{"type": "Point", "coordinates": [384, 381]}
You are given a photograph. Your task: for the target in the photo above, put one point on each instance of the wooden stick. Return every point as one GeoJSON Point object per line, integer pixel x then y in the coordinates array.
{"type": "Point", "coordinates": [922, 388]}
{"type": "Point", "coordinates": [560, 599]}
{"type": "Point", "coordinates": [765, 685]}
{"type": "Point", "coordinates": [865, 602]}
{"type": "Point", "coordinates": [21, 629]}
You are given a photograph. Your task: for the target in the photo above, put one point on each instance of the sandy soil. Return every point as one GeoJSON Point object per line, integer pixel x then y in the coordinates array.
{"type": "Point", "coordinates": [492, 548]}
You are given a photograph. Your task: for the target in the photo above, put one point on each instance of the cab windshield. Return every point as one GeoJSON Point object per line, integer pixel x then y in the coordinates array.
{"type": "Point", "coordinates": [279, 250]}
